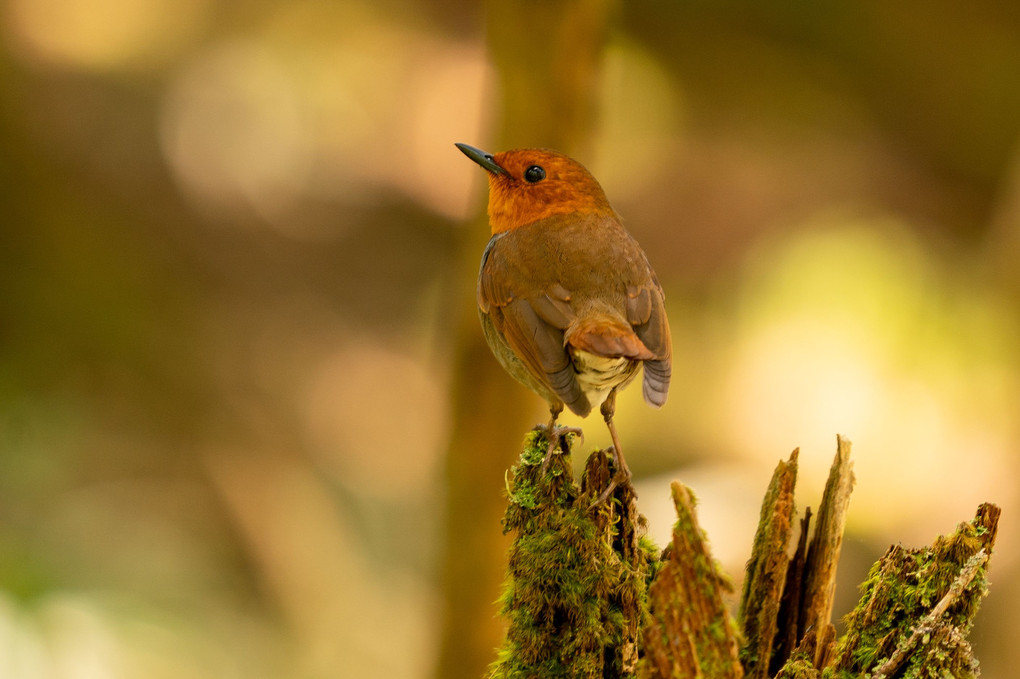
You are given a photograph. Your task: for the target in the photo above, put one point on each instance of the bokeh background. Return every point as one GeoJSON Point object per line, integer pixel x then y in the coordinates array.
{"type": "Point", "coordinates": [247, 427]}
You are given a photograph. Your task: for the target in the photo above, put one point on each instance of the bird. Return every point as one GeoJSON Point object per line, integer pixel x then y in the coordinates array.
{"type": "Point", "coordinates": [568, 302]}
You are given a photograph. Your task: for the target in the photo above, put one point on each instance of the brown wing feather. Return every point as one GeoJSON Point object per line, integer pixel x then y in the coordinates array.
{"type": "Point", "coordinates": [532, 329]}
{"type": "Point", "coordinates": [491, 290]}
{"type": "Point", "coordinates": [554, 311]}
{"type": "Point", "coordinates": [639, 304]}
{"type": "Point", "coordinates": [540, 346]}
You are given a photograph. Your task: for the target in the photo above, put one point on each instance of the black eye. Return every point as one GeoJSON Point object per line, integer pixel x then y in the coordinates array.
{"type": "Point", "coordinates": [534, 174]}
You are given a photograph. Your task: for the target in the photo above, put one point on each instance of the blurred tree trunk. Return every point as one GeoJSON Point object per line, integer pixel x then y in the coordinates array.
{"type": "Point", "coordinates": [548, 58]}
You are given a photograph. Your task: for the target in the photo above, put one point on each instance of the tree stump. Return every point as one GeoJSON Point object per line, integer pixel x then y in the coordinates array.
{"type": "Point", "coordinates": [587, 595]}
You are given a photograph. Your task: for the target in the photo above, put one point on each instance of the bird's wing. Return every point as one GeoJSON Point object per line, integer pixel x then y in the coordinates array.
{"type": "Point", "coordinates": [531, 323]}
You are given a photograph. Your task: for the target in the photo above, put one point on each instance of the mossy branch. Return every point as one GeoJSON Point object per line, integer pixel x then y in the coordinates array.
{"type": "Point", "coordinates": [936, 588]}
{"type": "Point", "coordinates": [931, 622]}
{"type": "Point", "coordinates": [588, 596]}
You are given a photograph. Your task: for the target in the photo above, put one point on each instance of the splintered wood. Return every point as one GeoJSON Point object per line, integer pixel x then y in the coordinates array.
{"type": "Point", "coordinates": [786, 603]}
{"type": "Point", "coordinates": [690, 633]}
{"type": "Point", "coordinates": [819, 583]}
{"type": "Point", "coordinates": [916, 608]}
{"type": "Point", "coordinates": [766, 571]}
{"type": "Point", "coordinates": [783, 598]}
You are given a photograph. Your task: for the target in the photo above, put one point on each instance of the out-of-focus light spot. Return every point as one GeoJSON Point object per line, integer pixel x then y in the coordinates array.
{"type": "Point", "coordinates": [311, 111]}
{"type": "Point", "coordinates": [61, 636]}
{"type": "Point", "coordinates": [375, 417]}
{"type": "Point", "coordinates": [449, 95]}
{"type": "Point", "coordinates": [102, 34]}
{"type": "Point", "coordinates": [354, 86]}
{"type": "Point", "coordinates": [847, 327]}
{"type": "Point", "coordinates": [387, 103]}
{"type": "Point", "coordinates": [22, 651]}
{"type": "Point", "coordinates": [394, 124]}
{"type": "Point", "coordinates": [640, 115]}
{"type": "Point", "coordinates": [729, 502]}
{"type": "Point", "coordinates": [99, 635]}
{"type": "Point", "coordinates": [802, 376]}
{"type": "Point", "coordinates": [820, 312]}
{"type": "Point", "coordinates": [234, 130]}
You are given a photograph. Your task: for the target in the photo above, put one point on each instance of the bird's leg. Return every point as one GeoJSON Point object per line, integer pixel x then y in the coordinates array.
{"type": "Point", "coordinates": [622, 474]}
{"type": "Point", "coordinates": [555, 434]}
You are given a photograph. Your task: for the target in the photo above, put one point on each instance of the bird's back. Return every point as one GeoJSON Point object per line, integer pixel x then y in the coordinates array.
{"type": "Point", "coordinates": [573, 300]}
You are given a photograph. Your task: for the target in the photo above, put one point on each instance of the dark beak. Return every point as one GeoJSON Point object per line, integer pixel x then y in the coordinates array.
{"type": "Point", "coordinates": [481, 157]}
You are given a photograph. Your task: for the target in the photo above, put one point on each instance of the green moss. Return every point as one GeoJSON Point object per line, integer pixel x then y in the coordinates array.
{"type": "Point", "coordinates": [899, 591]}
{"type": "Point", "coordinates": [799, 666]}
{"type": "Point", "coordinates": [582, 588]}
{"type": "Point", "coordinates": [573, 604]}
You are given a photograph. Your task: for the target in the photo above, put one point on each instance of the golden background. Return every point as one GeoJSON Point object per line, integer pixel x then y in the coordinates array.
{"type": "Point", "coordinates": [237, 251]}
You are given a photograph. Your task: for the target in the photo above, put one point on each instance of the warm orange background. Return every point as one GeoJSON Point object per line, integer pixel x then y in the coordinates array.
{"type": "Point", "coordinates": [228, 241]}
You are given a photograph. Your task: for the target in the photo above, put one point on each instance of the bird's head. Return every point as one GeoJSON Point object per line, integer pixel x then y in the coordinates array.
{"type": "Point", "coordinates": [526, 185]}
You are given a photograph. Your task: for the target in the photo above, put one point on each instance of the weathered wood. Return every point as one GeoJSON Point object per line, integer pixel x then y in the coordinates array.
{"type": "Point", "coordinates": [823, 552]}
{"type": "Point", "coordinates": [690, 632]}
{"type": "Point", "coordinates": [785, 597]}
{"type": "Point", "coordinates": [790, 628]}
{"type": "Point", "coordinates": [766, 571]}
{"type": "Point", "coordinates": [579, 603]}
{"type": "Point", "coordinates": [937, 589]}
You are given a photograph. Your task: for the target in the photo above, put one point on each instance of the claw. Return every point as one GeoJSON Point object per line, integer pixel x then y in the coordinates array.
{"type": "Point", "coordinates": [555, 435]}
{"type": "Point", "coordinates": [613, 483]}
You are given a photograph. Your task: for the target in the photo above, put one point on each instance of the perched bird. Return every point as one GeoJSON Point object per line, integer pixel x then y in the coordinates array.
{"type": "Point", "coordinates": [568, 301]}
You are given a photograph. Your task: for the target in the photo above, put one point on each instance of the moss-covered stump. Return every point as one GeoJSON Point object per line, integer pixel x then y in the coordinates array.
{"type": "Point", "coordinates": [917, 608]}
{"type": "Point", "coordinates": [576, 586]}
{"type": "Point", "coordinates": [579, 603]}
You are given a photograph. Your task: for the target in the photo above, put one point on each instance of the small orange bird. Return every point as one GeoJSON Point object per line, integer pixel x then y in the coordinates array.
{"type": "Point", "coordinates": [569, 304]}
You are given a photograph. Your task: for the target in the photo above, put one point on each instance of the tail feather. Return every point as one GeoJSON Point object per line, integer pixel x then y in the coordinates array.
{"type": "Point", "coordinates": [607, 337]}
{"type": "Point", "coordinates": [655, 385]}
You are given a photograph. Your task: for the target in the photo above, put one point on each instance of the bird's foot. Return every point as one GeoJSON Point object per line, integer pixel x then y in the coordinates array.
{"type": "Point", "coordinates": [621, 477]}
{"type": "Point", "coordinates": [555, 435]}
